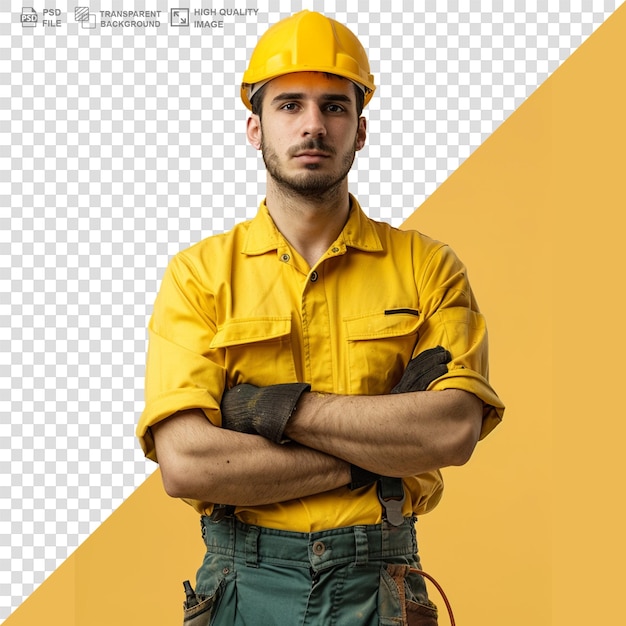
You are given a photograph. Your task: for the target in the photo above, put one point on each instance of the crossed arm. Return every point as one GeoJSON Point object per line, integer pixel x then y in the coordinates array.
{"type": "Point", "coordinates": [396, 435]}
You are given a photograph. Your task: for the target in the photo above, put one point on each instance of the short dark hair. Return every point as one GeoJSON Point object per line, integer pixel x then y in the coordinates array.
{"type": "Point", "coordinates": [257, 99]}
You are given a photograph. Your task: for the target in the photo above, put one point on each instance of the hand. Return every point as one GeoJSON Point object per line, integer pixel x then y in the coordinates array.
{"type": "Point", "coordinates": [263, 411]}
{"type": "Point", "coordinates": [423, 369]}
{"type": "Point", "coordinates": [361, 477]}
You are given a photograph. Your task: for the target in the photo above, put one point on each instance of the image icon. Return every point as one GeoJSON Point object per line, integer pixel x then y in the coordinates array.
{"type": "Point", "coordinates": [179, 17]}
{"type": "Point", "coordinates": [86, 19]}
{"type": "Point", "coordinates": [29, 17]}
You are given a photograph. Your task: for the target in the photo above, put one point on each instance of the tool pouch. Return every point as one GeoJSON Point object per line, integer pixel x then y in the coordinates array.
{"type": "Point", "coordinates": [200, 614]}
{"type": "Point", "coordinates": [197, 609]}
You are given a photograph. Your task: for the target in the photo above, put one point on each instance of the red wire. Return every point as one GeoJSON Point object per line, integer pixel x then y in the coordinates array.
{"type": "Point", "coordinates": [440, 590]}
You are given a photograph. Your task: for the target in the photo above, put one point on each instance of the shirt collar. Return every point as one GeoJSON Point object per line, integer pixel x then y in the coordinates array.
{"type": "Point", "coordinates": [359, 232]}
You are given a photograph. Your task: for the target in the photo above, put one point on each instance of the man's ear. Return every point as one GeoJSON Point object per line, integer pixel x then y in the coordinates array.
{"type": "Point", "coordinates": [253, 131]}
{"type": "Point", "coordinates": [361, 133]}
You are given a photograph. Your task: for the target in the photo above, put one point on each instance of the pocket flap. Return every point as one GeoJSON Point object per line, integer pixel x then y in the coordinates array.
{"type": "Point", "coordinates": [241, 331]}
{"type": "Point", "coordinates": [380, 325]}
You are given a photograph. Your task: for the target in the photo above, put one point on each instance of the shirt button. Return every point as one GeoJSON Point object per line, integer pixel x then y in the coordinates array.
{"type": "Point", "coordinates": [314, 277]}
{"type": "Point", "coordinates": [335, 250]}
{"type": "Point", "coordinates": [319, 548]}
{"type": "Point", "coordinates": [285, 258]}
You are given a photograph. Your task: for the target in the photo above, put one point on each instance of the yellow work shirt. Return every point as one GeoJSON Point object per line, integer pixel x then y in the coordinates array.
{"type": "Point", "coordinates": [244, 307]}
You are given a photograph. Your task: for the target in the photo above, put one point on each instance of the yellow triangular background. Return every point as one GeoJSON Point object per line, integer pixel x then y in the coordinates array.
{"type": "Point", "coordinates": [527, 533]}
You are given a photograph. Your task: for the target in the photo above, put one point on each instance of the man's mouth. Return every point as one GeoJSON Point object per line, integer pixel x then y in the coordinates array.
{"type": "Point", "coordinates": [311, 155]}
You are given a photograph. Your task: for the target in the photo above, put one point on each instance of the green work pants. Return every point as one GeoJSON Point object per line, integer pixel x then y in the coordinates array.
{"type": "Point", "coordinates": [353, 576]}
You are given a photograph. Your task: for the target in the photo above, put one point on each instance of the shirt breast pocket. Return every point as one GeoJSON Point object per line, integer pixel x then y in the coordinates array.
{"type": "Point", "coordinates": [256, 350]}
{"type": "Point", "coordinates": [379, 347]}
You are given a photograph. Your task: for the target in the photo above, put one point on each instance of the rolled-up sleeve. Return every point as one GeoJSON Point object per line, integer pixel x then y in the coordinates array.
{"type": "Point", "coordinates": [452, 319]}
{"type": "Point", "coordinates": [182, 371]}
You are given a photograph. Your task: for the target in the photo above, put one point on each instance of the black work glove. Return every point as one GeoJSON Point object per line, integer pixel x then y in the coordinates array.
{"type": "Point", "coordinates": [360, 477]}
{"type": "Point", "coordinates": [263, 411]}
{"type": "Point", "coordinates": [420, 372]}
{"type": "Point", "coordinates": [423, 369]}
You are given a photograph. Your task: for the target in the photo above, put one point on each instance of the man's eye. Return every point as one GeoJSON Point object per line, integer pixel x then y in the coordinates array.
{"type": "Point", "coordinates": [335, 108]}
{"type": "Point", "coordinates": [289, 106]}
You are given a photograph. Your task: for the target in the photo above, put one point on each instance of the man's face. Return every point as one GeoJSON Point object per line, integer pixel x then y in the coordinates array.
{"type": "Point", "coordinates": [309, 131]}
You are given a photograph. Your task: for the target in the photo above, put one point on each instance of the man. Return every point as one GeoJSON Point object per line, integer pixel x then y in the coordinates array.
{"type": "Point", "coordinates": [311, 371]}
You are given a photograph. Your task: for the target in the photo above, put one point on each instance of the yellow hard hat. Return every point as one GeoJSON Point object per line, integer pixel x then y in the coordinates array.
{"type": "Point", "coordinates": [308, 42]}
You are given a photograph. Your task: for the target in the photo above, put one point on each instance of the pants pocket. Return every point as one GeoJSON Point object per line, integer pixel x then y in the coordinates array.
{"type": "Point", "coordinates": [421, 614]}
{"type": "Point", "coordinates": [403, 600]}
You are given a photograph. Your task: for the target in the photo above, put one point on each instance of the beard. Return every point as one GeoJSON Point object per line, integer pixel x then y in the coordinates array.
{"type": "Point", "coordinates": [310, 183]}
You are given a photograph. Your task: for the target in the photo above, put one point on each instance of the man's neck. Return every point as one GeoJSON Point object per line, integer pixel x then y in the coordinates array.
{"type": "Point", "coordinates": [310, 225]}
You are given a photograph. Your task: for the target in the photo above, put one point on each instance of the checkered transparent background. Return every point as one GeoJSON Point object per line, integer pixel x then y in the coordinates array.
{"type": "Point", "coordinates": [119, 147]}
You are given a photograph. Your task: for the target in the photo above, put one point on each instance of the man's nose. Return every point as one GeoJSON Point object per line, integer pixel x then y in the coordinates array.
{"type": "Point", "coordinates": [314, 125]}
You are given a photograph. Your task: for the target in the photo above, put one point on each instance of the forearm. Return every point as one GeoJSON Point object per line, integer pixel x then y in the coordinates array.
{"type": "Point", "coordinates": [202, 462]}
{"type": "Point", "coordinates": [394, 435]}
